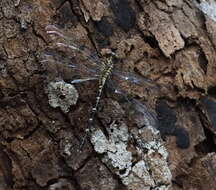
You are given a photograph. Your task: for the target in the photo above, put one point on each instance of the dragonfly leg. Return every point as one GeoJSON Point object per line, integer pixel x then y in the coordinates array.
{"type": "Point", "coordinates": [91, 119]}
{"type": "Point", "coordinates": [88, 128]}
{"type": "Point", "coordinates": [87, 133]}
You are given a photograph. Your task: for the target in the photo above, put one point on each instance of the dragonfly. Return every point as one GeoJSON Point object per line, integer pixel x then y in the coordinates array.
{"type": "Point", "coordinates": [95, 69]}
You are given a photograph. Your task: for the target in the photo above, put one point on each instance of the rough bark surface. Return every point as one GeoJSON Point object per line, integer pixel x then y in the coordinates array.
{"type": "Point", "coordinates": [170, 42]}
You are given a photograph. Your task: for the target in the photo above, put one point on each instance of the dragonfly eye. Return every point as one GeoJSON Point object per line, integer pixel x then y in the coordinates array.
{"type": "Point", "coordinates": [107, 52]}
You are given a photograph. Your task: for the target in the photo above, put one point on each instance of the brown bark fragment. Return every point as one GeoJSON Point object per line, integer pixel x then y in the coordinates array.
{"type": "Point", "coordinates": [15, 48]}
{"type": "Point", "coordinates": [94, 9]}
{"type": "Point", "coordinates": [209, 162]}
{"type": "Point", "coordinates": [16, 123]}
{"type": "Point", "coordinates": [68, 149]}
{"type": "Point", "coordinates": [44, 169]}
{"type": "Point", "coordinates": [184, 25]}
{"type": "Point", "coordinates": [96, 176]}
{"type": "Point", "coordinates": [180, 158]}
{"type": "Point", "coordinates": [161, 26]}
{"type": "Point", "coordinates": [189, 73]}
{"type": "Point", "coordinates": [211, 28]}
{"type": "Point", "coordinates": [62, 184]}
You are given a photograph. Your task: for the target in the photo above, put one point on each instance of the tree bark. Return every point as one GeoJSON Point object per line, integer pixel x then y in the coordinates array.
{"type": "Point", "coordinates": [162, 138]}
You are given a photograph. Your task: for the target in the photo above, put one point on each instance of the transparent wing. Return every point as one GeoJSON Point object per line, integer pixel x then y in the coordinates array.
{"type": "Point", "coordinates": [91, 70]}
{"type": "Point", "coordinates": [83, 80]}
{"type": "Point", "coordinates": [115, 90]}
{"type": "Point", "coordinates": [68, 43]}
{"type": "Point", "coordinates": [134, 79]}
{"type": "Point", "coordinates": [75, 67]}
{"type": "Point", "coordinates": [148, 116]}
{"type": "Point", "coordinates": [52, 57]}
{"type": "Point", "coordinates": [144, 115]}
{"type": "Point", "coordinates": [93, 73]}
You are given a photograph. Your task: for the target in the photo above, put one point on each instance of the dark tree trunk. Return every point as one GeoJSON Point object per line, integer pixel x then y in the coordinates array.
{"type": "Point", "coordinates": [172, 43]}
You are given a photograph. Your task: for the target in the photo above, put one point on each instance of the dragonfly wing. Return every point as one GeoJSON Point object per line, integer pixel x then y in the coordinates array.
{"type": "Point", "coordinates": [114, 89]}
{"type": "Point", "coordinates": [51, 56]}
{"type": "Point", "coordinates": [149, 117]}
{"type": "Point", "coordinates": [134, 78]}
{"type": "Point", "coordinates": [69, 44]}
{"type": "Point", "coordinates": [75, 81]}
{"type": "Point", "coordinates": [51, 29]}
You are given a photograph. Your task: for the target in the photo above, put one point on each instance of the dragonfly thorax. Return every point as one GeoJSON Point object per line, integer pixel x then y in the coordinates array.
{"type": "Point", "coordinates": [106, 69]}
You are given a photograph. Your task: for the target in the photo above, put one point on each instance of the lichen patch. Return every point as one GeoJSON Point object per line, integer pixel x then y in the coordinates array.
{"type": "Point", "coordinates": [62, 94]}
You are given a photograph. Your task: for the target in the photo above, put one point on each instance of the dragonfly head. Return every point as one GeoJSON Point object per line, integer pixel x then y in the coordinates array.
{"type": "Point", "coordinates": [108, 52]}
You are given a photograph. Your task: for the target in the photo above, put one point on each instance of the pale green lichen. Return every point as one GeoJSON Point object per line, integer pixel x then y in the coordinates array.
{"type": "Point", "coordinates": [62, 94]}
{"type": "Point", "coordinates": [151, 172]}
{"type": "Point", "coordinates": [155, 158]}
{"type": "Point", "coordinates": [139, 177]}
{"type": "Point", "coordinates": [207, 7]}
{"type": "Point", "coordinates": [117, 155]}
